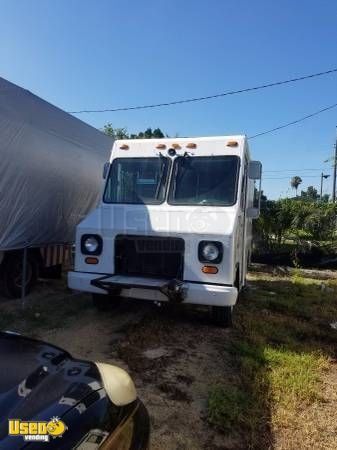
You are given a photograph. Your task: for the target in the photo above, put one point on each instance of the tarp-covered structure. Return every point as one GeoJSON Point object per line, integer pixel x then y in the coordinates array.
{"type": "Point", "coordinates": [50, 170]}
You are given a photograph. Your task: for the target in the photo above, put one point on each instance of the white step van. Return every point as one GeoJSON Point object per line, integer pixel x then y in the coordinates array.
{"type": "Point", "coordinates": [174, 224]}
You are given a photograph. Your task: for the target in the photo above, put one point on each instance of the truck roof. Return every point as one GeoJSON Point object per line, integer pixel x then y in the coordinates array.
{"type": "Point", "coordinates": [237, 137]}
{"type": "Point", "coordinates": [208, 145]}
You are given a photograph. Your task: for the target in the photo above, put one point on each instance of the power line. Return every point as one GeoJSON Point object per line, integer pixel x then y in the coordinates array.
{"type": "Point", "coordinates": [292, 170]}
{"type": "Point", "coordinates": [208, 97]}
{"type": "Point", "coordinates": [293, 122]}
{"type": "Point", "coordinates": [288, 178]}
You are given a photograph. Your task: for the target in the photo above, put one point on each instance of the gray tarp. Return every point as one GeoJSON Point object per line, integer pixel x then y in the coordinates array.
{"type": "Point", "coordinates": [50, 169]}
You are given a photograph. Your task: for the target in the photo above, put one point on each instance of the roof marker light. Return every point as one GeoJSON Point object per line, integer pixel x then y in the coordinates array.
{"type": "Point", "coordinates": [176, 146]}
{"type": "Point", "coordinates": [124, 147]}
{"type": "Point", "coordinates": [161, 146]}
{"type": "Point", "coordinates": [191, 145]}
{"type": "Point", "coordinates": [232, 144]}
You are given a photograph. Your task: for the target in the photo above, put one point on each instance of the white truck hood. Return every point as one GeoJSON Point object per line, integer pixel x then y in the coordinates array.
{"type": "Point", "coordinates": [110, 220]}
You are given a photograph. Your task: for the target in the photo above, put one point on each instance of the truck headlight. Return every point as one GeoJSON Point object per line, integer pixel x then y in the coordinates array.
{"type": "Point", "coordinates": [210, 251]}
{"type": "Point", "coordinates": [91, 244]}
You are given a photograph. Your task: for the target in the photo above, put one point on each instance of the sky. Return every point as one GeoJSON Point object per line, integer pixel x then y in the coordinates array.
{"type": "Point", "coordinates": [86, 54]}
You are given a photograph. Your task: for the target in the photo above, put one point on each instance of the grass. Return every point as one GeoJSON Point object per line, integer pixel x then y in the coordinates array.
{"type": "Point", "coordinates": [281, 347]}
{"type": "Point", "coordinates": [280, 350]}
{"type": "Point", "coordinates": [294, 378]}
{"type": "Point", "coordinates": [226, 407]}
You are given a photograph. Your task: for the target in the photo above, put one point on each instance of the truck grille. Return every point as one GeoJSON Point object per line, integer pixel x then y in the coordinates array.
{"type": "Point", "coordinates": [149, 256]}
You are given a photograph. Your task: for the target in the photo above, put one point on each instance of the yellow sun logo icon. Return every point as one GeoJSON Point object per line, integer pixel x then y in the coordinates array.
{"type": "Point", "coordinates": [55, 427]}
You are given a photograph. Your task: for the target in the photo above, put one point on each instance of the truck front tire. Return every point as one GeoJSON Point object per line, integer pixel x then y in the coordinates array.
{"type": "Point", "coordinates": [222, 316]}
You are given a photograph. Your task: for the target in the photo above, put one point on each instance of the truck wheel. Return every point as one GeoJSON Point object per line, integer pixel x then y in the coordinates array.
{"type": "Point", "coordinates": [12, 275]}
{"type": "Point", "coordinates": [222, 316]}
{"type": "Point", "coordinates": [105, 302]}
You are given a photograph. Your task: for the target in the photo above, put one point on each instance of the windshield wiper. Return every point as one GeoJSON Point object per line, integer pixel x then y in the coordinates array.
{"type": "Point", "coordinates": [174, 178]}
{"type": "Point", "coordinates": [161, 174]}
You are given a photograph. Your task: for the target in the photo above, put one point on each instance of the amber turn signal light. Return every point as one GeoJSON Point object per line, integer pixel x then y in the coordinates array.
{"type": "Point", "coordinates": [210, 269]}
{"type": "Point", "coordinates": [91, 260]}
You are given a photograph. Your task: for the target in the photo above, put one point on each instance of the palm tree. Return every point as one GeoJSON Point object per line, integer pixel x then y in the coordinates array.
{"type": "Point", "coordinates": [295, 182]}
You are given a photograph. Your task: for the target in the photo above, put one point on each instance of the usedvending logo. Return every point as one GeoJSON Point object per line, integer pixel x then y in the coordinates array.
{"type": "Point", "coordinates": [37, 431]}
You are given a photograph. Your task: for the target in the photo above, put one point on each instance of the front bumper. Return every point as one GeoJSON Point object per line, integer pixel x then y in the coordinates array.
{"type": "Point", "coordinates": [195, 293]}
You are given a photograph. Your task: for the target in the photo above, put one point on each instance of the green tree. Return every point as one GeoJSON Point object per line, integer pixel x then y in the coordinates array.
{"type": "Point", "coordinates": [122, 133]}
{"type": "Point", "coordinates": [157, 133]}
{"type": "Point", "coordinates": [295, 182]}
{"type": "Point", "coordinates": [320, 221]}
{"type": "Point", "coordinates": [148, 133]}
{"type": "Point", "coordinates": [310, 194]}
{"type": "Point", "coordinates": [116, 133]}
{"type": "Point", "coordinates": [301, 221]}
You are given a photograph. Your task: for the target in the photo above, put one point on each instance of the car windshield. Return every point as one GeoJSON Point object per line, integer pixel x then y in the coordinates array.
{"type": "Point", "coordinates": [137, 180]}
{"type": "Point", "coordinates": [204, 180]}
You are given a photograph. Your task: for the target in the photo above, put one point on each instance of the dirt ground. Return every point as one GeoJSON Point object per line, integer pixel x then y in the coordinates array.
{"type": "Point", "coordinates": [173, 354]}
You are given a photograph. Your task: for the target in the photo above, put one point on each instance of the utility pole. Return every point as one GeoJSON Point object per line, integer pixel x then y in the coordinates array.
{"type": "Point", "coordinates": [334, 174]}
{"type": "Point", "coordinates": [322, 176]}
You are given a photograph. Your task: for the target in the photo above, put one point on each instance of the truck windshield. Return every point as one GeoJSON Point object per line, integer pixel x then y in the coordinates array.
{"type": "Point", "coordinates": [137, 180]}
{"type": "Point", "coordinates": [204, 180]}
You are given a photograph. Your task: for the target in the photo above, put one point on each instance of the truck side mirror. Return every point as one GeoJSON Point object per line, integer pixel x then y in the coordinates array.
{"type": "Point", "coordinates": [253, 213]}
{"type": "Point", "coordinates": [255, 173]}
{"type": "Point", "coordinates": [254, 170]}
{"type": "Point", "coordinates": [106, 170]}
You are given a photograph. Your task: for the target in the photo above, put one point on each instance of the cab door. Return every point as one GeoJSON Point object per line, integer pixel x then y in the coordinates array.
{"type": "Point", "coordinates": [243, 224]}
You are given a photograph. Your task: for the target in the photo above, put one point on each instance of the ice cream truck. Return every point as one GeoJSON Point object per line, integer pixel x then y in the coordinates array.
{"type": "Point", "coordinates": [174, 224]}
